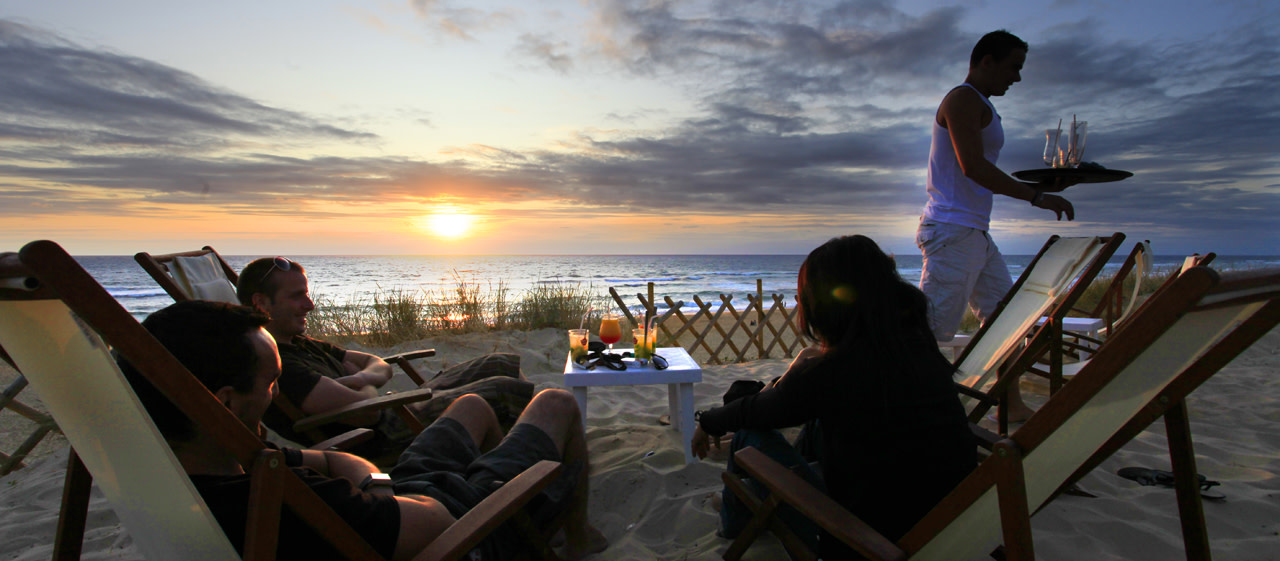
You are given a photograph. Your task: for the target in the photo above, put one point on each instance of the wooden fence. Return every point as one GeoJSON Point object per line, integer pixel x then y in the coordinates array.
{"type": "Point", "coordinates": [725, 334]}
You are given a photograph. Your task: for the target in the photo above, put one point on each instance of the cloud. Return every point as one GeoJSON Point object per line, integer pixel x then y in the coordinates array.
{"type": "Point", "coordinates": [545, 50]}
{"type": "Point", "coordinates": [804, 109]}
{"type": "Point", "coordinates": [69, 97]}
{"type": "Point", "coordinates": [460, 22]}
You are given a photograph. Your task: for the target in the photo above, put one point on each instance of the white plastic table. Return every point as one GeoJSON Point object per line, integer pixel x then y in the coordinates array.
{"type": "Point", "coordinates": [679, 377]}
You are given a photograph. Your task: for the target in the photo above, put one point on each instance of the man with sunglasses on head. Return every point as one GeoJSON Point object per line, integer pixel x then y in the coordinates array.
{"type": "Point", "coordinates": [318, 377]}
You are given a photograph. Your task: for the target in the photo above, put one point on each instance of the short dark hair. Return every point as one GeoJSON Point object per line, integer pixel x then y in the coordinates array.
{"type": "Point", "coordinates": [851, 295]}
{"type": "Point", "coordinates": [260, 276]}
{"type": "Point", "coordinates": [211, 339]}
{"type": "Point", "coordinates": [998, 44]}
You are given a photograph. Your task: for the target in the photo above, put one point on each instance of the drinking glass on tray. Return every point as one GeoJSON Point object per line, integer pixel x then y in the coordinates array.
{"type": "Point", "coordinates": [1076, 150]}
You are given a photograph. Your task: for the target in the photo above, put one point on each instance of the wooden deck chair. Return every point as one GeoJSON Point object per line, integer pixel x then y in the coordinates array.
{"type": "Point", "coordinates": [58, 330]}
{"type": "Point", "coordinates": [1174, 343]}
{"type": "Point", "coordinates": [1049, 286]}
{"type": "Point", "coordinates": [204, 275]}
{"type": "Point", "coordinates": [44, 424]}
{"type": "Point", "coordinates": [1092, 324]}
{"type": "Point", "coordinates": [1085, 346]}
{"type": "Point", "coordinates": [201, 275]}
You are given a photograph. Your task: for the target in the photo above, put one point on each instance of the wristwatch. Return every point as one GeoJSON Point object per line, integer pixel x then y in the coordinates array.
{"type": "Point", "coordinates": [375, 480]}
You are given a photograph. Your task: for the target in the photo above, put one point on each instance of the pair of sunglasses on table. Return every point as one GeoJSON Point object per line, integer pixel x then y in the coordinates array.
{"type": "Point", "coordinates": [597, 356]}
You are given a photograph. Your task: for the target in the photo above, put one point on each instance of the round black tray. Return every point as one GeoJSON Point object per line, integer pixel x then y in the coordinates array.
{"type": "Point", "coordinates": [1076, 174]}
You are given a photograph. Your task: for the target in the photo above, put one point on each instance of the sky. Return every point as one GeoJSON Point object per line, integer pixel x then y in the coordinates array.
{"type": "Point", "coordinates": [613, 126]}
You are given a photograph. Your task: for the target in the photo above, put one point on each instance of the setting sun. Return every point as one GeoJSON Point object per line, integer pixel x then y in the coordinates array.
{"type": "Point", "coordinates": [447, 224]}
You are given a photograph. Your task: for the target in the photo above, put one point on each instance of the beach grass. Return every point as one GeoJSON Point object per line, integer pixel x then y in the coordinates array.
{"type": "Point", "coordinates": [392, 316]}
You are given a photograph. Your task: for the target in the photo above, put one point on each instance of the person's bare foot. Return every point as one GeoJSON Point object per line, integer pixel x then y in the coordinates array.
{"type": "Point", "coordinates": [591, 541]}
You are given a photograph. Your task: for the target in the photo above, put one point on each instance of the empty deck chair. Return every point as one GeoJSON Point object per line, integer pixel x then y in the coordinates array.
{"type": "Point", "coordinates": [1085, 346]}
{"type": "Point", "coordinates": [1174, 342]}
{"type": "Point", "coordinates": [1112, 306]}
{"type": "Point", "coordinates": [1049, 286]}
{"type": "Point", "coordinates": [58, 329]}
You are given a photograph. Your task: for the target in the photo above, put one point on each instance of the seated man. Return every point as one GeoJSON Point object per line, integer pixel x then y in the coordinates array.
{"type": "Point", "coordinates": [449, 468]}
{"type": "Point", "coordinates": [318, 377]}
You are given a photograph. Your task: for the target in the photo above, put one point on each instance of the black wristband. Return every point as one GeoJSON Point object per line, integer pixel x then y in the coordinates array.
{"type": "Point", "coordinates": [1036, 198]}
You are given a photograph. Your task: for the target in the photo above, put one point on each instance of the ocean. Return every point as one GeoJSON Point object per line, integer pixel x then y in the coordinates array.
{"type": "Point", "coordinates": [346, 278]}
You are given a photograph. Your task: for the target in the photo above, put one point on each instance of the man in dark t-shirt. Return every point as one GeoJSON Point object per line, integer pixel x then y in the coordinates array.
{"type": "Point", "coordinates": [449, 468]}
{"type": "Point", "coordinates": [318, 377]}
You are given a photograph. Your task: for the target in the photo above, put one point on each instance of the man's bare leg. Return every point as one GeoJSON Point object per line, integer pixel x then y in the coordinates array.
{"type": "Point", "coordinates": [475, 414]}
{"type": "Point", "coordinates": [556, 413]}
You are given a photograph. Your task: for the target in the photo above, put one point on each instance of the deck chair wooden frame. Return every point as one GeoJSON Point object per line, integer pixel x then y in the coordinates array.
{"type": "Point", "coordinates": [44, 424]}
{"type": "Point", "coordinates": [1050, 285]}
{"type": "Point", "coordinates": [162, 270]}
{"type": "Point", "coordinates": [1175, 342]}
{"type": "Point", "coordinates": [1088, 326]}
{"type": "Point", "coordinates": [158, 266]}
{"type": "Point", "coordinates": [58, 327]}
{"type": "Point", "coordinates": [1113, 306]}
{"type": "Point", "coordinates": [1085, 344]}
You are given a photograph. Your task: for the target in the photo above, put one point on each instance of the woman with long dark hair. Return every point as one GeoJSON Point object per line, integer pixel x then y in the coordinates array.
{"type": "Point", "coordinates": [893, 437]}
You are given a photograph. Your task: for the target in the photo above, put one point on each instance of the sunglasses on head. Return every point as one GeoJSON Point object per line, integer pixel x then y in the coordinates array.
{"type": "Point", "coordinates": [277, 263]}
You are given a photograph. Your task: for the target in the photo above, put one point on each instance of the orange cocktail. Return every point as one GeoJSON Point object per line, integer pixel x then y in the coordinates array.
{"type": "Point", "coordinates": [610, 329]}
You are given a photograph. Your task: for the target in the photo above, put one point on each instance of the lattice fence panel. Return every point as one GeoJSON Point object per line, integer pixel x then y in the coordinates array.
{"type": "Point", "coordinates": [725, 332]}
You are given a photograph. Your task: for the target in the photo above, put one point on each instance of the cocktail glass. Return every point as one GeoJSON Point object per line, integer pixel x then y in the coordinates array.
{"type": "Point", "coordinates": [578, 339]}
{"type": "Point", "coordinates": [644, 345]}
{"type": "Point", "coordinates": [610, 329]}
{"type": "Point", "coordinates": [1051, 146]}
{"type": "Point", "coordinates": [1075, 152]}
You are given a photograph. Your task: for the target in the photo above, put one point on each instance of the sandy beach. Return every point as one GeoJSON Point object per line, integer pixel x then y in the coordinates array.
{"type": "Point", "coordinates": [652, 506]}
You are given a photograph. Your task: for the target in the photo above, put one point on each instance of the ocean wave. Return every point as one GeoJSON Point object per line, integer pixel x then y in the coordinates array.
{"type": "Point", "coordinates": [744, 274]}
{"type": "Point", "coordinates": [141, 293]}
{"type": "Point", "coordinates": [631, 282]}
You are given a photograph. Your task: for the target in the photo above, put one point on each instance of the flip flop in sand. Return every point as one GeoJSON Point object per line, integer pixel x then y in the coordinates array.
{"type": "Point", "coordinates": [1163, 478]}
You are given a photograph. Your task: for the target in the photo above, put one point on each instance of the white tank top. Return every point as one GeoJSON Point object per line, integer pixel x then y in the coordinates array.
{"type": "Point", "coordinates": [954, 198]}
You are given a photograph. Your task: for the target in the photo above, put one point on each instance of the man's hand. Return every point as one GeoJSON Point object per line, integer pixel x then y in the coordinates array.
{"type": "Point", "coordinates": [1055, 203]}
{"type": "Point", "coordinates": [702, 442]}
